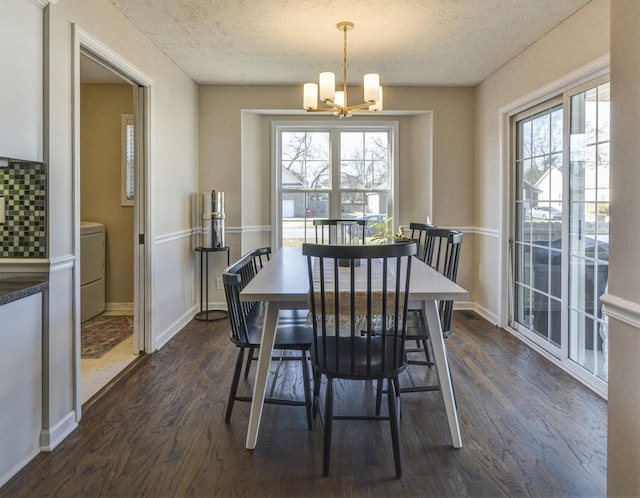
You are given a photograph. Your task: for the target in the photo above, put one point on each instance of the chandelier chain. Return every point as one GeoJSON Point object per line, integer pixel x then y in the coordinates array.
{"type": "Point", "coordinates": [344, 66]}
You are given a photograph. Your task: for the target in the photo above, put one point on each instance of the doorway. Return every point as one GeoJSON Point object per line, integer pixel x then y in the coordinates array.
{"type": "Point", "coordinates": [132, 168]}
{"type": "Point", "coordinates": [107, 204]}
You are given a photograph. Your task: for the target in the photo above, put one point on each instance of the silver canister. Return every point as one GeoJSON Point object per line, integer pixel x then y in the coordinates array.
{"type": "Point", "coordinates": [217, 219]}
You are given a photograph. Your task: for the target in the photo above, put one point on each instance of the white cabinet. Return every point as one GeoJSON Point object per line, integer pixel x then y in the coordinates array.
{"type": "Point", "coordinates": [92, 269]}
{"type": "Point", "coordinates": [20, 383]}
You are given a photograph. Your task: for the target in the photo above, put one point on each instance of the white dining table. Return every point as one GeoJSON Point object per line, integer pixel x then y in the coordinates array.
{"type": "Point", "coordinates": [283, 284]}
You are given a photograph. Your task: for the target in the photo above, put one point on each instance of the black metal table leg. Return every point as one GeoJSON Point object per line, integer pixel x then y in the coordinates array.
{"type": "Point", "coordinates": [205, 314]}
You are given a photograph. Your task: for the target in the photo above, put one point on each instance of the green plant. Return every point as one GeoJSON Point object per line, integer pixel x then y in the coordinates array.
{"type": "Point", "coordinates": [383, 231]}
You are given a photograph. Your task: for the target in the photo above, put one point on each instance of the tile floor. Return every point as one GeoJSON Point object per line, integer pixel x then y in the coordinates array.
{"type": "Point", "coordinates": [96, 373]}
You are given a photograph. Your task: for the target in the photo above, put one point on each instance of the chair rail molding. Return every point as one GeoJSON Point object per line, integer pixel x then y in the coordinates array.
{"type": "Point", "coordinates": [182, 234]}
{"type": "Point", "coordinates": [251, 228]}
{"type": "Point", "coordinates": [622, 310]}
{"type": "Point", "coordinates": [43, 3]}
{"type": "Point", "coordinates": [487, 232]}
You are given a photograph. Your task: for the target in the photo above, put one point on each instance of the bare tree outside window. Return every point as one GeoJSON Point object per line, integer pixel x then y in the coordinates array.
{"type": "Point", "coordinates": [305, 156]}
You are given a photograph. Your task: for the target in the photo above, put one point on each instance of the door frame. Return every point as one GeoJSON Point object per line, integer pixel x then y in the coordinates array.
{"type": "Point", "coordinates": [590, 71]}
{"type": "Point", "coordinates": [83, 42]}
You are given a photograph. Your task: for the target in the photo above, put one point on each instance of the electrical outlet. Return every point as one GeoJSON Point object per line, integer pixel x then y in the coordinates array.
{"type": "Point", "coordinates": [219, 283]}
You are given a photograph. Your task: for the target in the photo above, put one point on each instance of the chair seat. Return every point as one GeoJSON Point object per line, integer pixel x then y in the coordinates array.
{"type": "Point", "coordinates": [289, 335]}
{"type": "Point", "coordinates": [417, 328]}
{"type": "Point", "coordinates": [297, 315]}
{"type": "Point", "coordinates": [355, 360]}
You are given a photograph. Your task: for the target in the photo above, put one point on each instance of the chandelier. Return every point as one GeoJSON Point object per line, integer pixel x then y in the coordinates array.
{"type": "Point", "coordinates": [338, 100]}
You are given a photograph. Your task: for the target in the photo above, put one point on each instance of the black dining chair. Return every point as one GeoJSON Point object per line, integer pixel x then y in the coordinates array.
{"type": "Point", "coordinates": [246, 320]}
{"type": "Point", "coordinates": [338, 231]}
{"type": "Point", "coordinates": [442, 248]}
{"type": "Point", "coordinates": [359, 315]}
{"type": "Point", "coordinates": [418, 232]}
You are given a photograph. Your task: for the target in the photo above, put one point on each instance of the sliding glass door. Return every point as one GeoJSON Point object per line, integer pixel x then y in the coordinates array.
{"type": "Point", "coordinates": [560, 227]}
{"type": "Point", "coordinates": [588, 227]}
{"type": "Point", "coordinates": [537, 242]}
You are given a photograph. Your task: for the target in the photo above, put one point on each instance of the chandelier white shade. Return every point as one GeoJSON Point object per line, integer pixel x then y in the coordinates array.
{"type": "Point", "coordinates": [337, 101]}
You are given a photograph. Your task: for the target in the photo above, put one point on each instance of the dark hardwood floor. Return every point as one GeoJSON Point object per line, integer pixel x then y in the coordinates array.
{"type": "Point", "coordinates": [528, 429]}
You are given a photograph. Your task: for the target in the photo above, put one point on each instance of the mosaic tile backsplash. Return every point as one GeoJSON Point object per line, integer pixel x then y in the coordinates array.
{"type": "Point", "coordinates": [23, 184]}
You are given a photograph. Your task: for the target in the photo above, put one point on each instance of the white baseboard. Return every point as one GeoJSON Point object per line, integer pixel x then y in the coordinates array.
{"type": "Point", "coordinates": [17, 467]}
{"type": "Point", "coordinates": [176, 327]}
{"type": "Point", "coordinates": [119, 307]}
{"type": "Point", "coordinates": [217, 306]}
{"type": "Point", "coordinates": [50, 438]}
{"type": "Point", "coordinates": [485, 313]}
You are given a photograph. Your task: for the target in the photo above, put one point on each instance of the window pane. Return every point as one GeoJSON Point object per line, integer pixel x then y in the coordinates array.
{"type": "Point", "coordinates": [538, 224]}
{"type": "Point", "coordinates": [541, 135]}
{"type": "Point", "coordinates": [589, 228]}
{"type": "Point", "coordinates": [603, 113]}
{"type": "Point", "coordinates": [524, 139]}
{"type": "Point", "coordinates": [353, 204]}
{"type": "Point", "coordinates": [556, 130]}
{"type": "Point", "coordinates": [591, 115]}
{"type": "Point", "coordinates": [357, 204]}
{"type": "Point", "coordinates": [523, 272]}
{"type": "Point", "coordinates": [130, 158]}
{"type": "Point", "coordinates": [305, 160]}
{"type": "Point", "coordinates": [541, 177]}
{"type": "Point", "coordinates": [364, 161]}
{"type": "Point", "coordinates": [298, 211]}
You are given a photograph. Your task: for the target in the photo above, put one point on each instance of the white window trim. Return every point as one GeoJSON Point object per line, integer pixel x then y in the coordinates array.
{"type": "Point", "coordinates": [276, 126]}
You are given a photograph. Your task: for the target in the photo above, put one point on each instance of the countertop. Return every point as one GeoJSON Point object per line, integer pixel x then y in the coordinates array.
{"type": "Point", "coordinates": [17, 287]}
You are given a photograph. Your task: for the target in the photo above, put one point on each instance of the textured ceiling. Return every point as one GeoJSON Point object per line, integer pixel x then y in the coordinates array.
{"type": "Point", "coordinates": [408, 42]}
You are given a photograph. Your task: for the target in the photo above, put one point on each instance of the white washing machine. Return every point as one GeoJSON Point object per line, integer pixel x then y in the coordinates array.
{"type": "Point", "coordinates": [92, 264]}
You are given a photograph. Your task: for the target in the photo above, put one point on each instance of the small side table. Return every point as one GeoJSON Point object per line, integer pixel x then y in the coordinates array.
{"type": "Point", "coordinates": [205, 313]}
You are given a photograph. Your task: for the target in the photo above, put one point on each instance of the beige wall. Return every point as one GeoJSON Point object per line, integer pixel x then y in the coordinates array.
{"type": "Point", "coordinates": [100, 178]}
{"type": "Point", "coordinates": [623, 301]}
{"type": "Point", "coordinates": [578, 41]}
{"type": "Point", "coordinates": [436, 155]}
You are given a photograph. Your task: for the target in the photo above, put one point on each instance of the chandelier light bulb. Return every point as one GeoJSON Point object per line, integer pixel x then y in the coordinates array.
{"type": "Point", "coordinates": [310, 96]}
{"type": "Point", "coordinates": [371, 87]}
{"type": "Point", "coordinates": [377, 106]}
{"type": "Point", "coordinates": [327, 86]}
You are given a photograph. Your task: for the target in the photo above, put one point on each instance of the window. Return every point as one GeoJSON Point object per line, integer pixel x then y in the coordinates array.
{"type": "Point", "coordinates": [127, 160]}
{"type": "Point", "coordinates": [560, 228]}
{"type": "Point", "coordinates": [343, 172]}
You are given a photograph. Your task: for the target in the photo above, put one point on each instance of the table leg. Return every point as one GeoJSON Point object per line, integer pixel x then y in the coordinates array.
{"type": "Point", "coordinates": [442, 366]}
{"type": "Point", "coordinates": [262, 372]}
